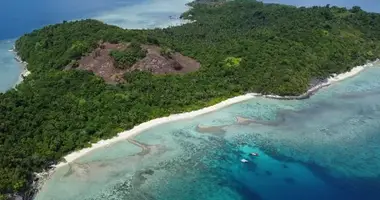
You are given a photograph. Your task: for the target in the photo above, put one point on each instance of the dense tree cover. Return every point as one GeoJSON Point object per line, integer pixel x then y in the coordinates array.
{"type": "Point", "coordinates": [127, 57]}
{"type": "Point", "coordinates": [243, 46]}
{"type": "Point", "coordinates": [230, 62]}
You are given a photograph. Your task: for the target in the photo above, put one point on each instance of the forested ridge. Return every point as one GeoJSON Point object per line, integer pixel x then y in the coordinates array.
{"type": "Point", "coordinates": [243, 46]}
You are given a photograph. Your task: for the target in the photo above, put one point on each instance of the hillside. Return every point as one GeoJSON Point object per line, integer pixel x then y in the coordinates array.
{"type": "Point", "coordinates": [112, 61]}
{"type": "Point", "coordinates": [242, 46]}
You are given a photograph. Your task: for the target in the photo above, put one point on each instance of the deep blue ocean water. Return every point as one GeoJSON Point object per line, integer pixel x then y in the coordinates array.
{"type": "Point", "coordinates": [326, 147]}
{"type": "Point", "coordinates": [22, 16]}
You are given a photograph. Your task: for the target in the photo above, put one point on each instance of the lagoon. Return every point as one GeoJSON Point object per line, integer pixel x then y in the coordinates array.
{"type": "Point", "coordinates": [325, 147]}
{"type": "Point", "coordinates": [23, 16]}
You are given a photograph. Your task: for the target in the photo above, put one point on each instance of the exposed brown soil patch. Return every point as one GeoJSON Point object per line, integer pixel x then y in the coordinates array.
{"type": "Point", "coordinates": [158, 64]}
{"type": "Point", "coordinates": [102, 64]}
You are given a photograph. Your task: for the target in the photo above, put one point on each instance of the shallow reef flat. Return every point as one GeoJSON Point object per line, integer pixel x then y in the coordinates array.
{"type": "Point", "coordinates": [324, 147]}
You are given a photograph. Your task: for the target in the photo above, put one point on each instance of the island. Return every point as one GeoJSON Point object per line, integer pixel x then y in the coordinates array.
{"type": "Point", "coordinates": [90, 81]}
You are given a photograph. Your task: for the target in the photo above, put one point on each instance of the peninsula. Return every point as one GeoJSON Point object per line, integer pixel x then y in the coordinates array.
{"type": "Point", "coordinates": [90, 81]}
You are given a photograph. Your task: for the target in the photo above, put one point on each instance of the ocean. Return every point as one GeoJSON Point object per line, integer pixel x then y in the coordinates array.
{"type": "Point", "coordinates": [23, 16]}
{"type": "Point", "coordinates": [326, 147]}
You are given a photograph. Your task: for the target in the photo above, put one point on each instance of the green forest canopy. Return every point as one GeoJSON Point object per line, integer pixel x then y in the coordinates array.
{"type": "Point", "coordinates": [267, 48]}
{"type": "Point", "coordinates": [127, 57]}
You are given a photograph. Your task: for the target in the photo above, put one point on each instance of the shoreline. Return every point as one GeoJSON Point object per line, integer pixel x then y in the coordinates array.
{"type": "Point", "coordinates": [24, 65]}
{"type": "Point", "coordinates": [41, 178]}
{"type": "Point", "coordinates": [188, 115]}
{"type": "Point", "coordinates": [152, 123]}
{"type": "Point", "coordinates": [334, 78]}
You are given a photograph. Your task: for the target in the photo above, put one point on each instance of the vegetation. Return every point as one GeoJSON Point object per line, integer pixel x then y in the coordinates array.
{"type": "Point", "coordinates": [243, 46]}
{"type": "Point", "coordinates": [126, 58]}
{"type": "Point", "coordinates": [166, 52]}
{"type": "Point", "coordinates": [232, 62]}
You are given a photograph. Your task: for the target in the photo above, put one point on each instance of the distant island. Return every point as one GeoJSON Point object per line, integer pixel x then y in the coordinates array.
{"type": "Point", "coordinates": [90, 81]}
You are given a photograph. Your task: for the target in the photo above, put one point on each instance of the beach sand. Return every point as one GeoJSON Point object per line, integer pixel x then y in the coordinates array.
{"type": "Point", "coordinates": [333, 79]}
{"type": "Point", "coordinates": [25, 72]}
{"type": "Point", "coordinates": [188, 115]}
{"type": "Point", "coordinates": [155, 122]}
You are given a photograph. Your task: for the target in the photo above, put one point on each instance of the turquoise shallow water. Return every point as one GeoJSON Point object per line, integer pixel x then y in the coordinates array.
{"type": "Point", "coordinates": [325, 147]}
{"type": "Point", "coordinates": [23, 16]}
{"type": "Point", "coordinates": [10, 69]}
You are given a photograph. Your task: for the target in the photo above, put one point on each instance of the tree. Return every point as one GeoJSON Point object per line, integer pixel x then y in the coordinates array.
{"type": "Point", "coordinates": [355, 9]}
{"type": "Point", "coordinates": [166, 52]}
{"type": "Point", "coordinates": [126, 58]}
{"type": "Point", "coordinates": [276, 49]}
{"type": "Point", "coordinates": [232, 62]}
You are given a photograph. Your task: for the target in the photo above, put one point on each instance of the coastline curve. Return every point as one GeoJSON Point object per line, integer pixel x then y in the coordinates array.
{"type": "Point", "coordinates": [189, 115]}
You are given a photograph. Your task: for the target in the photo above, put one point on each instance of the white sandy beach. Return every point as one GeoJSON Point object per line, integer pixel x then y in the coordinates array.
{"type": "Point", "coordinates": [24, 66]}
{"type": "Point", "coordinates": [353, 72]}
{"type": "Point", "coordinates": [333, 79]}
{"type": "Point", "coordinates": [188, 115]}
{"type": "Point", "coordinates": [147, 125]}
